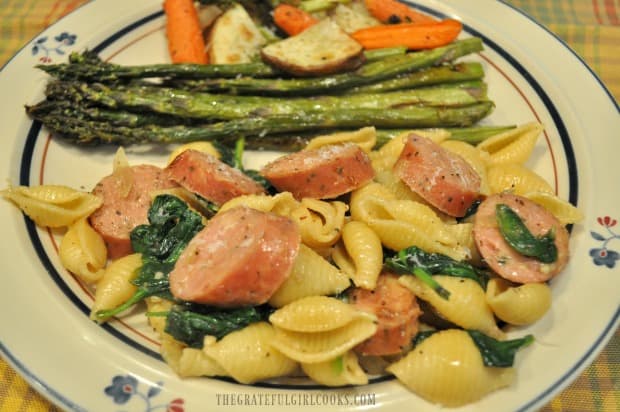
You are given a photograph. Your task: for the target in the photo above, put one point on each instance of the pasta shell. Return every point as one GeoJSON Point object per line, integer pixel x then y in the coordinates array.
{"type": "Point", "coordinates": [565, 212]}
{"type": "Point", "coordinates": [466, 307]}
{"type": "Point", "coordinates": [53, 206]}
{"type": "Point", "coordinates": [319, 222]}
{"type": "Point", "coordinates": [195, 362]}
{"type": "Point", "coordinates": [155, 304]}
{"type": "Point", "coordinates": [83, 252]}
{"type": "Point", "coordinates": [446, 368]}
{"type": "Point", "coordinates": [476, 158]}
{"type": "Point", "coordinates": [518, 305]}
{"type": "Point", "coordinates": [341, 371]}
{"type": "Point", "coordinates": [312, 275]}
{"type": "Point", "coordinates": [204, 147]}
{"type": "Point", "coordinates": [171, 350]}
{"type": "Point", "coordinates": [512, 146]}
{"type": "Point", "coordinates": [322, 346]}
{"type": "Point", "coordinates": [397, 235]}
{"type": "Point", "coordinates": [366, 138]}
{"type": "Point", "coordinates": [516, 179]}
{"type": "Point", "coordinates": [360, 254]}
{"type": "Point", "coordinates": [248, 356]}
{"type": "Point", "coordinates": [115, 286]}
{"type": "Point", "coordinates": [314, 314]}
{"type": "Point", "coordinates": [282, 203]}
{"type": "Point", "coordinates": [397, 187]}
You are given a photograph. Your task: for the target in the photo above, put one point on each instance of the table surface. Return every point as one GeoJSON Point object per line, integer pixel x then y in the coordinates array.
{"type": "Point", "coordinates": [590, 27]}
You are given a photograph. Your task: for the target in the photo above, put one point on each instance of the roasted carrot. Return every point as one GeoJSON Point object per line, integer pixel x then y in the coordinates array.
{"type": "Point", "coordinates": [414, 36]}
{"type": "Point", "coordinates": [185, 41]}
{"type": "Point", "coordinates": [392, 12]}
{"type": "Point", "coordinates": [291, 19]}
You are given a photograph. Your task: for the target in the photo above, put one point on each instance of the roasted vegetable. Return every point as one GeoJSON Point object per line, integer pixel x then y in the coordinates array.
{"type": "Point", "coordinates": [261, 132]}
{"type": "Point", "coordinates": [235, 38]}
{"type": "Point", "coordinates": [306, 54]}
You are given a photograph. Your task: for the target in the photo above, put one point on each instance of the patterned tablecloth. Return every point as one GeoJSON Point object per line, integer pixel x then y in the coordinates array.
{"type": "Point", "coordinates": [590, 27]}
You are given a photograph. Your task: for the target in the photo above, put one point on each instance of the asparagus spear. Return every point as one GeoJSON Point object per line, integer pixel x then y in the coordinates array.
{"type": "Point", "coordinates": [426, 77]}
{"type": "Point", "coordinates": [84, 67]}
{"type": "Point", "coordinates": [375, 71]}
{"type": "Point", "coordinates": [206, 106]}
{"type": "Point", "coordinates": [258, 129]}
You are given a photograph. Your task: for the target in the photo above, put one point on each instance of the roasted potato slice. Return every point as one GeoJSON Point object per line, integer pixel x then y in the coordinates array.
{"type": "Point", "coordinates": [320, 49]}
{"type": "Point", "coordinates": [234, 38]}
{"type": "Point", "coordinates": [353, 16]}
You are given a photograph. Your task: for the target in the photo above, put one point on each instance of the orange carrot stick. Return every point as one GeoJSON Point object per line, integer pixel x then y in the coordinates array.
{"type": "Point", "coordinates": [292, 19]}
{"type": "Point", "coordinates": [411, 35]}
{"type": "Point", "coordinates": [392, 11]}
{"type": "Point", "coordinates": [185, 41]}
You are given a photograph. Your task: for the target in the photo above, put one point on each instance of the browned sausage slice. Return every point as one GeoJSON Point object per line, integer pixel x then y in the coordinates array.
{"type": "Point", "coordinates": [323, 173]}
{"type": "Point", "coordinates": [397, 313]}
{"type": "Point", "coordinates": [126, 201]}
{"type": "Point", "coordinates": [241, 257]}
{"type": "Point", "coordinates": [211, 178]}
{"type": "Point", "coordinates": [444, 179]}
{"type": "Point", "coordinates": [501, 257]}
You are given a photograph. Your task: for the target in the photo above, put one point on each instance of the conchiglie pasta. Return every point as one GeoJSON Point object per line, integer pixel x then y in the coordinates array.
{"type": "Point", "coordinates": [249, 356]}
{"type": "Point", "coordinates": [282, 203]}
{"type": "Point", "coordinates": [360, 254]}
{"type": "Point", "coordinates": [447, 368]}
{"type": "Point", "coordinates": [52, 205]}
{"type": "Point", "coordinates": [397, 187]}
{"type": "Point", "coordinates": [171, 351]}
{"type": "Point", "coordinates": [115, 286]}
{"type": "Point", "coordinates": [385, 158]}
{"type": "Point", "coordinates": [344, 370]}
{"type": "Point", "coordinates": [195, 362]}
{"type": "Point", "coordinates": [204, 147]}
{"type": "Point", "coordinates": [476, 158]}
{"type": "Point", "coordinates": [512, 146]}
{"type": "Point", "coordinates": [397, 235]}
{"type": "Point", "coordinates": [311, 275]}
{"type": "Point", "coordinates": [155, 304]}
{"type": "Point", "coordinates": [314, 314]}
{"type": "Point", "coordinates": [516, 179]}
{"type": "Point", "coordinates": [320, 222]}
{"type": "Point", "coordinates": [83, 252]}
{"type": "Point", "coordinates": [365, 138]}
{"type": "Point", "coordinates": [466, 307]}
{"type": "Point", "coordinates": [565, 212]}
{"type": "Point", "coordinates": [518, 305]}
{"type": "Point", "coordinates": [307, 347]}
{"type": "Point", "coordinates": [364, 205]}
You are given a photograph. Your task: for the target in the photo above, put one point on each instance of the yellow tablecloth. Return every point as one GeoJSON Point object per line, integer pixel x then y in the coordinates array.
{"type": "Point", "coordinates": [590, 27]}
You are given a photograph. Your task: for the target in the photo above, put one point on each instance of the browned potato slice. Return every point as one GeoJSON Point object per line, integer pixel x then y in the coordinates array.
{"type": "Point", "coordinates": [321, 49]}
{"type": "Point", "coordinates": [234, 38]}
{"type": "Point", "coordinates": [353, 16]}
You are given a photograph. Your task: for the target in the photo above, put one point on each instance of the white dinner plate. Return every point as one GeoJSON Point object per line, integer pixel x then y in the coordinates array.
{"type": "Point", "coordinates": [45, 333]}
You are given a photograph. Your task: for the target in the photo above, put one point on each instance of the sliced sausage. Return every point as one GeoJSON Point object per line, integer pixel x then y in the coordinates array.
{"type": "Point", "coordinates": [501, 257]}
{"type": "Point", "coordinates": [211, 178]}
{"type": "Point", "coordinates": [241, 257]}
{"type": "Point", "coordinates": [323, 173]}
{"type": "Point", "coordinates": [444, 179]}
{"type": "Point", "coordinates": [397, 313]}
{"type": "Point", "coordinates": [126, 198]}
